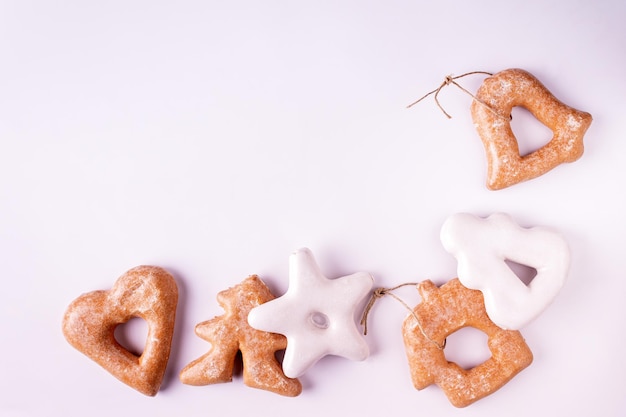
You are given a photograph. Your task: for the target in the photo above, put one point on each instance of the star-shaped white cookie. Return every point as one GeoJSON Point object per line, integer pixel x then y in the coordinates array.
{"type": "Point", "coordinates": [316, 314]}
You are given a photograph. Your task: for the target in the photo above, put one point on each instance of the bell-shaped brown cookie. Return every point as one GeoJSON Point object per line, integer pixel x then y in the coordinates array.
{"type": "Point", "coordinates": [491, 110]}
{"type": "Point", "coordinates": [147, 292]}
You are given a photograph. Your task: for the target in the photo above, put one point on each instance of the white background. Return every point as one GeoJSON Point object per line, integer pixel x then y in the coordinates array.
{"type": "Point", "coordinates": [214, 138]}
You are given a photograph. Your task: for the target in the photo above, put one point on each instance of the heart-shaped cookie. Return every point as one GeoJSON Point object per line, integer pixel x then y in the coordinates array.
{"type": "Point", "coordinates": [148, 292]}
{"type": "Point", "coordinates": [482, 247]}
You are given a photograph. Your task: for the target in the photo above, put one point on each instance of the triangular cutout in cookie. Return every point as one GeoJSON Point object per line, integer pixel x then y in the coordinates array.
{"type": "Point", "coordinates": [485, 249]}
{"type": "Point", "coordinates": [495, 99]}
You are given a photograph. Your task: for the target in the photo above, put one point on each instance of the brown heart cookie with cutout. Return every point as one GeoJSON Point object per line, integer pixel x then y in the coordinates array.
{"type": "Point", "coordinates": [147, 292]}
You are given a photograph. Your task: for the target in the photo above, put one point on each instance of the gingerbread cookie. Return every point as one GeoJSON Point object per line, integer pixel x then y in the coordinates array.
{"type": "Point", "coordinates": [491, 110]}
{"type": "Point", "coordinates": [482, 248]}
{"type": "Point", "coordinates": [443, 311]}
{"type": "Point", "coordinates": [316, 314]}
{"type": "Point", "coordinates": [148, 292]}
{"type": "Point", "coordinates": [230, 334]}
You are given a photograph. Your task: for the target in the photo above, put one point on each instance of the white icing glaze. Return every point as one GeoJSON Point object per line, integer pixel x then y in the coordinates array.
{"type": "Point", "coordinates": [316, 314]}
{"type": "Point", "coordinates": [482, 247]}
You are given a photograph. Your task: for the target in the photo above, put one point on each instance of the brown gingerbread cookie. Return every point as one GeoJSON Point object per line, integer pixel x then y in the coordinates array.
{"type": "Point", "coordinates": [230, 334]}
{"type": "Point", "coordinates": [491, 110]}
{"type": "Point", "coordinates": [148, 292]}
{"type": "Point", "coordinates": [443, 311]}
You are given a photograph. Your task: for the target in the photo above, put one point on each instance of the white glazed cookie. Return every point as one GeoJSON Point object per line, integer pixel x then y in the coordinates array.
{"type": "Point", "coordinates": [482, 247]}
{"type": "Point", "coordinates": [316, 314]}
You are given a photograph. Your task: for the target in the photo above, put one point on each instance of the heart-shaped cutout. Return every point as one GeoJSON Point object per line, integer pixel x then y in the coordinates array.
{"type": "Point", "coordinates": [147, 292]}
{"type": "Point", "coordinates": [495, 99]}
{"type": "Point", "coordinates": [482, 248]}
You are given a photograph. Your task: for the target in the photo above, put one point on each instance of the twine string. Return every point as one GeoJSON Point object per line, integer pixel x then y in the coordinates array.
{"type": "Point", "coordinates": [380, 293]}
{"type": "Point", "coordinates": [449, 79]}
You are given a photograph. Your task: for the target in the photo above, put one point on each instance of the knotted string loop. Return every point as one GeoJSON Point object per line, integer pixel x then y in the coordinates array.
{"type": "Point", "coordinates": [380, 293]}
{"type": "Point", "coordinates": [449, 79]}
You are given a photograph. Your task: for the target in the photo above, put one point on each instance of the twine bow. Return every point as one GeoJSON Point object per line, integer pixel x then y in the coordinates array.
{"type": "Point", "coordinates": [449, 79]}
{"type": "Point", "coordinates": [380, 293]}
